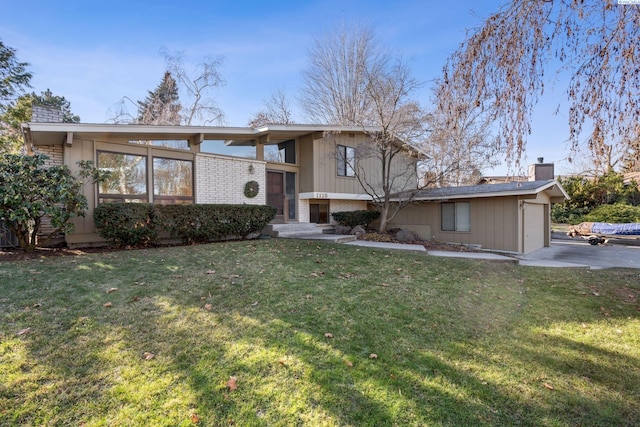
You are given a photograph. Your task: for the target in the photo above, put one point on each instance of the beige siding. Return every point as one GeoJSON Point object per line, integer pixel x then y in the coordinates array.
{"type": "Point", "coordinates": [494, 223]}
{"type": "Point", "coordinates": [306, 147]}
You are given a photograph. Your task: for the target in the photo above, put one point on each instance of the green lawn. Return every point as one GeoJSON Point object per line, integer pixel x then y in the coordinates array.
{"type": "Point", "coordinates": [285, 333]}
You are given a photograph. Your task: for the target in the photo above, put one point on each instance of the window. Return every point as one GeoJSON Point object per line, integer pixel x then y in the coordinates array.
{"type": "Point", "coordinates": [284, 152]}
{"type": "Point", "coordinates": [456, 216]}
{"type": "Point", "coordinates": [179, 144]}
{"type": "Point", "coordinates": [172, 181]}
{"type": "Point", "coordinates": [346, 157]}
{"type": "Point", "coordinates": [128, 180]}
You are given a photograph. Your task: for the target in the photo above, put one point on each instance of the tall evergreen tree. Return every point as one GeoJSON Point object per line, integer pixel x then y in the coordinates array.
{"type": "Point", "coordinates": [162, 106]}
{"type": "Point", "coordinates": [13, 74]}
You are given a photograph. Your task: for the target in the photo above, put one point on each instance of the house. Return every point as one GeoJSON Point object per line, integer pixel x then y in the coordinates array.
{"type": "Point", "coordinates": [512, 217]}
{"type": "Point", "coordinates": [305, 171]}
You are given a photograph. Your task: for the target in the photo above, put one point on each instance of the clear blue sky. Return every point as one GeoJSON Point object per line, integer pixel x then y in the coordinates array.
{"type": "Point", "coordinates": [94, 52]}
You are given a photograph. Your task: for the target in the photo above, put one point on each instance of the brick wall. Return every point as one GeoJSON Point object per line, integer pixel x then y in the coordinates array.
{"type": "Point", "coordinates": [54, 152]}
{"type": "Point", "coordinates": [42, 114]}
{"type": "Point", "coordinates": [221, 179]}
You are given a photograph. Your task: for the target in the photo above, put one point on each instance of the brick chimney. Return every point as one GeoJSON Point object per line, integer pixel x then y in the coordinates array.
{"type": "Point", "coordinates": [541, 171]}
{"type": "Point", "coordinates": [45, 114]}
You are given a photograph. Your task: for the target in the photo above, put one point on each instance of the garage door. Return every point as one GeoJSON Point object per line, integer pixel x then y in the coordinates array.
{"type": "Point", "coordinates": [533, 227]}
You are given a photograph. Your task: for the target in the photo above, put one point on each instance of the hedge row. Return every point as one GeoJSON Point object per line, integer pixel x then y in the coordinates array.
{"type": "Point", "coordinates": [138, 224]}
{"type": "Point", "coordinates": [354, 218]}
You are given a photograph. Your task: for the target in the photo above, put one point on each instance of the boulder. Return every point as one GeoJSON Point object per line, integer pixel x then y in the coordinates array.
{"type": "Point", "coordinates": [406, 236]}
{"type": "Point", "coordinates": [358, 231]}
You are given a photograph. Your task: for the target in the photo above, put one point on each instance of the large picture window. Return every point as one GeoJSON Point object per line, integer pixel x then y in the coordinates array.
{"type": "Point", "coordinates": [172, 181]}
{"type": "Point", "coordinates": [128, 179]}
{"type": "Point", "coordinates": [456, 216]}
{"type": "Point", "coordinates": [346, 157]}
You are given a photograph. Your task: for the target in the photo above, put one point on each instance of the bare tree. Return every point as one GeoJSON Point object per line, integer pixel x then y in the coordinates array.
{"type": "Point", "coordinates": [277, 110]}
{"type": "Point", "coordinates": [196, 86]}
{"type": "Point", "coordinates": [397, 124]}
{"type": "Point", "coordinates": [351, 80]}
{"type": "Point", "coordinates": [460, 145]}
{"type": "Point", "coordinates": [336, 77]}
{"type": "Point", "coordinates": [503, 63]}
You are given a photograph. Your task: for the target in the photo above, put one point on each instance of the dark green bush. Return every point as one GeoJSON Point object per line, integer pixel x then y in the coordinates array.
{"type": "Point", "coordinates": [136, 224]}
{"type": "Point", "coordinates": [617, 214]}
{"type": "Point", "coordinates": [127, 224]}
{"type": "Point", "coordinates": [203, 223]}
{"type": "Point", "coordinates": [353, 218]}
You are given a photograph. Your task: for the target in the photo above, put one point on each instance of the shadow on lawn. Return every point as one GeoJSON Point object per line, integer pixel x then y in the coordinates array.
{"type": "Point", "coordinates": [288, 372]}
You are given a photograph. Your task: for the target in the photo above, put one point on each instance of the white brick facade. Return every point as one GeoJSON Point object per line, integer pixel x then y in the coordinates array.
{"type": "Point", "coordinates": [221, 179]}
{"type": "Point", "coordinates": [345, 206]}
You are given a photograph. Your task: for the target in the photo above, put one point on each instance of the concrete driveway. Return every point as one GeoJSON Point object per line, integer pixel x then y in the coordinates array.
{"type": "Point", "coordinates": [576, 253]}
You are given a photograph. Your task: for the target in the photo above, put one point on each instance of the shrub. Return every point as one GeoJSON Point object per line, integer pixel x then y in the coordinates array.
{"type": "Point", "coordinates": [617, 214]}
{"type": "Point", "coordinates": [138, 224]}
{"type": "Point", "coordinates": [353, 218]}
{"type": "Point", "coordinates": [31, 192]}
{"type": "Point", "coordinates": [127, 224]}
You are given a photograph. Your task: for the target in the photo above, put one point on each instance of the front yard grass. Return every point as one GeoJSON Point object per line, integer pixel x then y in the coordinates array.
{"type": "Point", "coordinates": [285, 333]}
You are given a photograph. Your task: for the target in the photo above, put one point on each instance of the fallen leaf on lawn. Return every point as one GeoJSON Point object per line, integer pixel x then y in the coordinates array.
{"type": "Point", "coordinates": [328, 335]}
{"type": "Point", "coordinates": [373, 356]}
{"type": "Point", "coordinates": [36, 305]}
{"type": "Point", "coordinates": [281, 362]}
{"type": "Point", "coordinates": [314, 274]}
{"type": "Point", "coordinates": [194, 418]}
{"type": "Point", "coordinates": [208, 307]}
{"type": "Point", "coordinates": [309, 296]}
{"type": "Point", "coordinates": [148, 356]}
{"type": "Point", "coordinates": [211, 271]}
{"type": "Point", "coordinates": [548, 386]}
{"type": "Point", "coordinates": [232, 383]}
{"type": "Point", "coordinates": [111, 290]}
{"type": "Point", "coordinates": [348, 363]}
{"type": "Point", "coordinates": [107, 304]}
{"type": "Point", "coordinates": [24, 331]}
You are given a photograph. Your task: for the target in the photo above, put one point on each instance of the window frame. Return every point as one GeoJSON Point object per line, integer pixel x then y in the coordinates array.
{"type": "Point", "coordinates": [344, 155]}
{"type": "Point", "coordinates": [122, 198]}
{"type": "Point", "coordinates": [455, 217]}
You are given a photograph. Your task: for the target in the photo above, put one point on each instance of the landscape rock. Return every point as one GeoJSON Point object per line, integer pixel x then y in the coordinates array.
{"type": "Point", "coordinates": [358, 231]}
{"type": "Point", "coordinates": [406, 236]}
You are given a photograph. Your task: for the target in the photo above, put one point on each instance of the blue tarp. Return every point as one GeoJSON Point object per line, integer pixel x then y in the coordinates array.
{"type": "Point", "coordinates": [632, 228]}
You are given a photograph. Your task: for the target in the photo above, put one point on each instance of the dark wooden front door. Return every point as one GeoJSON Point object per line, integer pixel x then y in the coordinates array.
{"type": "Point", "coordinates": [275, 193]}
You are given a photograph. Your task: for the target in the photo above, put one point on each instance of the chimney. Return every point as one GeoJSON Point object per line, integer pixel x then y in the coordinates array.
{"type": "Point", "coordinates": [541, 171]}
{"type": "Point", "coordinates": [45, 114]}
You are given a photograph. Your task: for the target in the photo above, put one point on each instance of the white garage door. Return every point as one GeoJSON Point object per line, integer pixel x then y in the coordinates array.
{"type": "Point", "coordinates": [533, 227]}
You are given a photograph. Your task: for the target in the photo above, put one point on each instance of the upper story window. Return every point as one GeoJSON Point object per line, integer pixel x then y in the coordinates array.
{"type": "Point", "coordinates": [284, 152]}
{"type": "Point", "coordinates": [456, 216]}
{"type": "Point", "coordinates": [345, 159]}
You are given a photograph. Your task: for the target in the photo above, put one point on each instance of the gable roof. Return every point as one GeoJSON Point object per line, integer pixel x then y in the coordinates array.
{"type": "Point", "coordinates": [525, 188]}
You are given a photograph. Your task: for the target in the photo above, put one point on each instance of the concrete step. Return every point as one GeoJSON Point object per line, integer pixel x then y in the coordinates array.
{"type": "Point", "coordinates": [292, 229]}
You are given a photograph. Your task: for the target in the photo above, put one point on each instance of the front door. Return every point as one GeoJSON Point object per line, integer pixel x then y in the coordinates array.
{"type": "Point", "coordinates": [275, 193]}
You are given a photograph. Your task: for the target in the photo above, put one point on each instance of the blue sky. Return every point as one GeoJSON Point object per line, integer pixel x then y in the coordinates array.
{"type": "Point", "coordinates": [94, 53]}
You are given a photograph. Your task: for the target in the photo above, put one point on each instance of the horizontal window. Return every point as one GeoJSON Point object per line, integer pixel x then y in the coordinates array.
{"type": "Point", "coordinates": [172, 179]}
{"type": "Point", "coordinates": [179, 144]}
